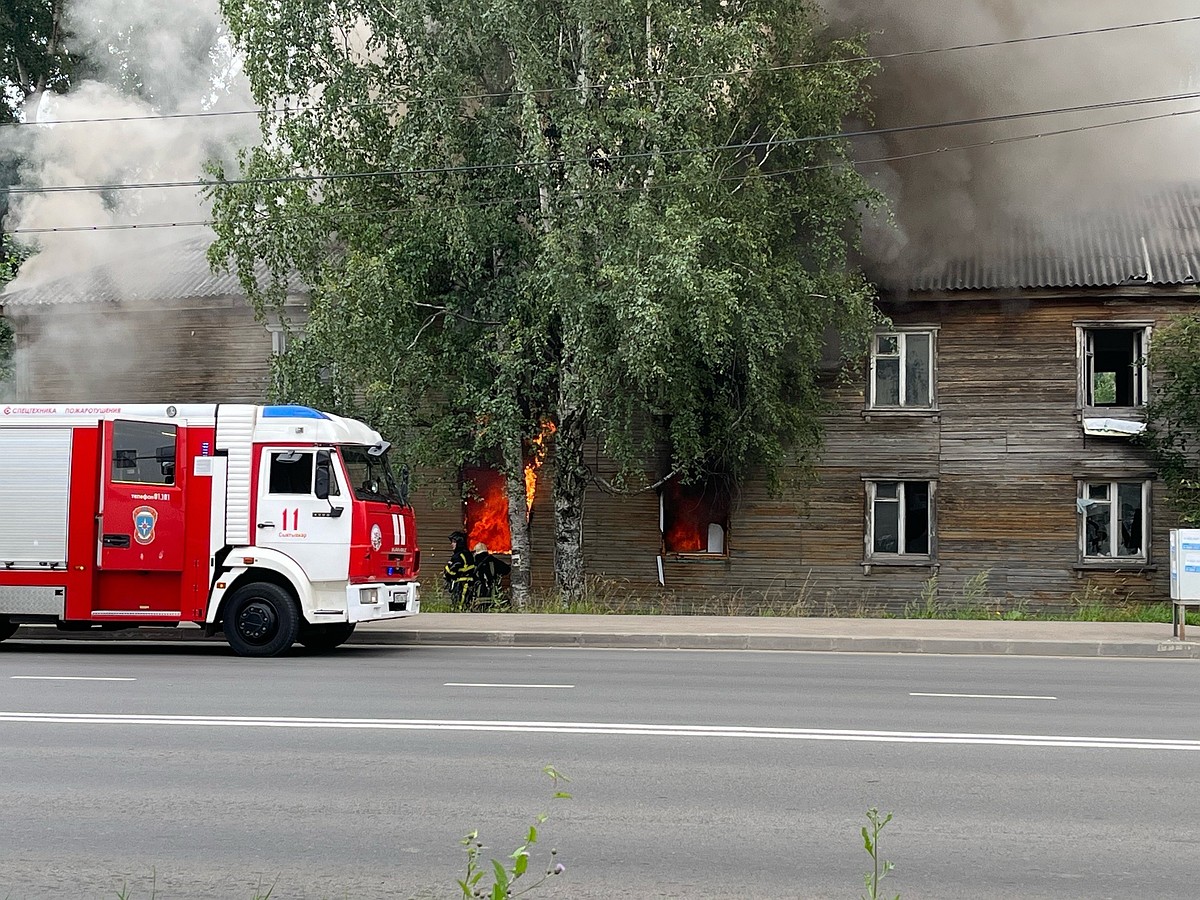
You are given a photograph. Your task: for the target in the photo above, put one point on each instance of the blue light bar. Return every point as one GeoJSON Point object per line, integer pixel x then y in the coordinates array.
{"type": "Point", "coordinates": [292, 412]}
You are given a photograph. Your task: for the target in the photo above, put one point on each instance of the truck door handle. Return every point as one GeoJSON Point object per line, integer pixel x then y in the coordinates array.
{"type": "Point", "coordinates": [266, 524]}
{"type": "Point", "coordinates": [115, 540]}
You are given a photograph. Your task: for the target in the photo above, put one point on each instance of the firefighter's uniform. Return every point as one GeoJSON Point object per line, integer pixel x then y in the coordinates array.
{"type": "Point", "coordinates": [459, 573]}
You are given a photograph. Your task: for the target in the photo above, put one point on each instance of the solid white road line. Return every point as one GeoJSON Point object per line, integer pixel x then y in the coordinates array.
{"type": "Point", "coordinates": [500, 685]}
{"type": "Point", "coordinates": [609, 728]}
{"type": "Point", "coordinates": [984, 696]}
{"type": "Point", "coordinates": [66, 678]}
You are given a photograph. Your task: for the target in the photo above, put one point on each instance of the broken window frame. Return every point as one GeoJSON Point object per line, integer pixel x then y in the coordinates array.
{"type": "Point", "coordinates": [902, 355]}
{"type": "Point", "coordinates": [1139, 385]}
{"type": "Point", "coordinates": [902, 553]}
{"type": "Point", "coordinates": [1085, 503]}
{"type": "Point", "coordinates": [716, 484]}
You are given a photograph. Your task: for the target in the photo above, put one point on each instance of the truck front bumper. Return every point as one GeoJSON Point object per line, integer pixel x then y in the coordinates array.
{"type": "Point", "coordinates": [371, 602]}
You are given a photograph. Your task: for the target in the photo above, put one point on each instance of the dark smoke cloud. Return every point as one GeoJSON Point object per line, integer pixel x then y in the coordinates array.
{"type": "Point", "coordinates": [959, 201]}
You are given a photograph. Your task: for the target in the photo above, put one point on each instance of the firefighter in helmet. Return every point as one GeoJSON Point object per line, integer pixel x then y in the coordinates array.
{"type": "Point", "coordinates": [459, 573]}
{"type": "Point", "coordinates": [489, 572]}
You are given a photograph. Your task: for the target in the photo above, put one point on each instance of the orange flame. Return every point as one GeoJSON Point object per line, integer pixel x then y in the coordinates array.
{"type": "Point", "coordinates": [536, 456]}
{"type": "Point", "coordinates": [485, 512]}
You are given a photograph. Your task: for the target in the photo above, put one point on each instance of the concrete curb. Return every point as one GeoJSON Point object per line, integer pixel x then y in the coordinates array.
{"type": "Point", "coordinates": [1169, 649]}
{"type": "Point", "coordinates": [497, 637]}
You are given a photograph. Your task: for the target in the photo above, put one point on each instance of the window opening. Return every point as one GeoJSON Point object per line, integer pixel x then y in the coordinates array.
{"type": "Point", "coordinates": [1115, 367]}
{"type": "Point", "coordinates": [291, 473]}
{"type": "Point", "coordinates": [371, 476]}
{"type": "Point", "coordinates": [1113, 519]}
{"type": "Point", "coordinates": [485, 509]}
{"type": "Point", "coordinates": [902, 369]}
{"type": "Point", "coordinates": [143, 453]}
{"type": "Point", "coordinates": [485, 495]}
{"type": "Point", "coordinates": [695, 517]}
{"type": "Point", "coordinates": [900, 521]}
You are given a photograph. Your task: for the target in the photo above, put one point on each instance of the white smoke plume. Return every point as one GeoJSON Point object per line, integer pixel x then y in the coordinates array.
{"type": "Point", "coordinates": [958, 201]}
{"type": "Point", "coordinates": [153, 67]}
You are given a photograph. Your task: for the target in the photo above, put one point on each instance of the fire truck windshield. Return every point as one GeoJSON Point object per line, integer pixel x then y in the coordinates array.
{"type": "Point", "coordinates": [370, 475]}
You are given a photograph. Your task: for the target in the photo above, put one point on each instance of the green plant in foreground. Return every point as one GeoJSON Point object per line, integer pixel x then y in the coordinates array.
{"type": "Point", "coordinates": [507, 874]}
{"type": "Point", "coordinates": [871, 842]}
{"type": "Point", "coordinates": [125, 893]}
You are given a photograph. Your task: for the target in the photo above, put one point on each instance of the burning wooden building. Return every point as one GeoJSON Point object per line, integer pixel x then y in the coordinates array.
{"type": "Point", "coordinates": [987, 444]}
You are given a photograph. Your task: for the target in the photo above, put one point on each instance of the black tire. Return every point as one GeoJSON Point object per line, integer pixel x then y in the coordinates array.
{"type": "Point", "coordinates": [261, 619]}
{"type": "Point", "coordinates": [325, 637]}
{"type": "Point", "coordinates": [8, 629]}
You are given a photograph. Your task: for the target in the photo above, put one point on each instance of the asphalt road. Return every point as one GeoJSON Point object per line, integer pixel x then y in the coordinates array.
{"type": "Point", "coordinates": [187, 772]}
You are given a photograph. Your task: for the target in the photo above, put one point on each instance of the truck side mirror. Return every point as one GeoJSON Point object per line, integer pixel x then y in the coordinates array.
{"type": "Point", "coordinates": [324, 474]}
{"type": "Point", "coordinates": [404, 481]}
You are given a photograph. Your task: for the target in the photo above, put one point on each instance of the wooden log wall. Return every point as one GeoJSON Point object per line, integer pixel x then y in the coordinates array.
{"type": "Point", "coordinates": [1005, 447]}
{"type": "Point", "coordinates": [213, 351]}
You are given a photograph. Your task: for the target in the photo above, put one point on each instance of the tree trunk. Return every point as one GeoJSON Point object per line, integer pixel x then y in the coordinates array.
{"type": "Point", "coordinates": [570, 487]}
{"type": "Point", "coordinates": [513, 455]}
{"type": "Point", "coordinates": [518, 521]}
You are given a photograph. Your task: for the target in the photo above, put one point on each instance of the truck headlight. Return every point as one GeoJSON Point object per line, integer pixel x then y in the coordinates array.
{"type": "Point", "coordinates": [368, 595]}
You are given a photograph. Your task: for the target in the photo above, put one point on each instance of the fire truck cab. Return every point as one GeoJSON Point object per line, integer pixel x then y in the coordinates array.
{"type": "Point", "coordinates": [273, 524]}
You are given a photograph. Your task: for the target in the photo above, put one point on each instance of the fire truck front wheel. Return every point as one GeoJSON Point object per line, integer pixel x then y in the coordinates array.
{"type": "Point", "coordinates": [7, 628]}
{"type": "Point", "coordinates": [261, 619]}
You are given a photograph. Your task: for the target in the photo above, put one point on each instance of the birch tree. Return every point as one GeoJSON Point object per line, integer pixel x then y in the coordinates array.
{"type": "Point", "coordinates": [631, 220]}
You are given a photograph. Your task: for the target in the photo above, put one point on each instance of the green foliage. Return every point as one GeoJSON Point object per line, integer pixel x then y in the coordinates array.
{"type": "Point", "coordinates": [870, 838]}
{"type": "Point", "coordinates": [1173, 415]}
{"type": "Point", "coordinates": [505, 877]}
{"type": "Point", "coordinates": [32, 55]}
{"type": "Point", "coordinates": [628, 219]}
{"type": "Point", "coordinates": [12, 255]}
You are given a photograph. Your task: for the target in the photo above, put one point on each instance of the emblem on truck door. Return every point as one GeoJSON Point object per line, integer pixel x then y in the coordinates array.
{"type": "Point", "coordinates": [144, 519]}
{"type": "Point", "coordinates": [376, 537]}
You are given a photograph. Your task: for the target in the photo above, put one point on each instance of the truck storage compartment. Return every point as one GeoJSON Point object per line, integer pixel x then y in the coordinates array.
{"type": "Point", "coordinates": [35, 482]}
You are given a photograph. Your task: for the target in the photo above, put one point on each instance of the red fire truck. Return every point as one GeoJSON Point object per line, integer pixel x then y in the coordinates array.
{"type": "Point", "coordinates": [274, 524]}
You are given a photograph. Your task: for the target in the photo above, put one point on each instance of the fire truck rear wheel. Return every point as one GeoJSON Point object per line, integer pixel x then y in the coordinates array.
{"type": "Point", "coordinates": [261, 619]}
{"type": "Point", "coordinates": [8, 629]}
{"type": "Point", "coordinates": [325, 637]}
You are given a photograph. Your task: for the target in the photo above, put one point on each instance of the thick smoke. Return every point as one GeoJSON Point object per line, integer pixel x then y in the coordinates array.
{"type": "Point", "coordinates": [149, 65]}
{"type": "Point", "coordinates": [961, 201]}
{"type": "Point", "coordinates": [946, 203]}
{"type": "Point", "coordinates": [152, 63]}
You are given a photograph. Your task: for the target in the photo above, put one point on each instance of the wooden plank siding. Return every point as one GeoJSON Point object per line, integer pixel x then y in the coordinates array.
{"type": "Point", "coordinates": [215, 351]}
{"type": "Point", "coordinates": [1005, 446]}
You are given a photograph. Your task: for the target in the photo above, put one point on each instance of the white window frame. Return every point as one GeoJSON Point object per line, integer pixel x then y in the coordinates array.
{"type": "Point", "coordinates": [901, 335]}
{"type": "Point", "coordinates": [1084, 339]}
{"type": "Point", "coordinates": [901, 555]}
{"type": "Point", "coordinates": [279, 338]}
{"type": "Point", "coordinates": [1113, 521]}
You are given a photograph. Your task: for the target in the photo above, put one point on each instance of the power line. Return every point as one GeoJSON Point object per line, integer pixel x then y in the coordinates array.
{"type": "Point", "coordinates": [491, 167]}
{"type": "Point", "coordinates": [1026, 40]}
{"type": "Point", "coordinates": [461, 98]}
{"type": "Point", "coordinates": [659, 186]}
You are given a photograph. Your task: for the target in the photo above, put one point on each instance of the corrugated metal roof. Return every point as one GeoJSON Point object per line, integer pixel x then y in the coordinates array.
{"type": "Point", "coordinates": [1154, 240]}
{"type": "Point", "coordinates": [171, 272]}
